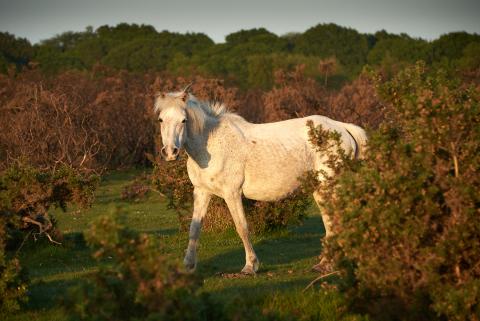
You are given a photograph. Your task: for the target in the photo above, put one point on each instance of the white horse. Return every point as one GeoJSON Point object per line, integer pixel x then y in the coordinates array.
{"type": "Point", "coordinates": [229, 156]}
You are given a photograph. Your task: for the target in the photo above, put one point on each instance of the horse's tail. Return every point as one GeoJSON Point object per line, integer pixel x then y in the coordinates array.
{"type": "Point", "coordinates": [360, 137]}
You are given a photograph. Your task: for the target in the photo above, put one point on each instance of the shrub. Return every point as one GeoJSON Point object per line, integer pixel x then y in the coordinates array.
{"type": "Point", "coordinates": [13, 285]}
{"type": "Point", "coordinates": [137, 189]}
{"type": "Point", "coordinates": [406, 232]}
{"type": "Point", "coordinates": [26, 195]}
{"type": "Point", "coordinates": [296, 95]}
{"type": "Point", "coordinates": [138, 282]}
{"type": "Point", "coordinates": [270, 216]}
{"type": "Point", "coordinates": [89, 120]}
{"type": "Point", "coordinates": [358, 102]}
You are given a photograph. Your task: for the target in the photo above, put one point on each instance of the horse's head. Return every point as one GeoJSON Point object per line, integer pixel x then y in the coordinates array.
{"type": "Point", "coordinates": [173, 120]}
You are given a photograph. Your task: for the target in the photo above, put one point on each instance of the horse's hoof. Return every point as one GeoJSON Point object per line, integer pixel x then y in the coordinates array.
{"type": "Point", "coordinates": [248, 270]}
{"type": "Point", "coordinates": [189, 266]}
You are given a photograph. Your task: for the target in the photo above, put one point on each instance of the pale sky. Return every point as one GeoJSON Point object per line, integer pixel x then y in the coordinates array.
{"type": "Point", "coordinates": [41, 19]}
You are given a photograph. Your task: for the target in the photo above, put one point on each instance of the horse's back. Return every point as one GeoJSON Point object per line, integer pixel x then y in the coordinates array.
{"type": "Point", "coordinates": [280, 152]}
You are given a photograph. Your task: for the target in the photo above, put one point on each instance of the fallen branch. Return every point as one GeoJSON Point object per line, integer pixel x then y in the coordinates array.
{"type": "Point", "coordinates": [318, 279]}
{"type": "Point", "coordinates": [41, 228]}
{"type": "Point", "coordinates": [50, 238]}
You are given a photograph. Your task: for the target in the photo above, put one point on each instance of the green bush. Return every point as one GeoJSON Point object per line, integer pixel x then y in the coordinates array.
{"type": "Point", "coordinates": [136, 281]}
{"type": "Point", "coordinates": [13, 287]}
{"type": "Point", "coordinates": [26, 195]}
{"type": "Point", "coordinates": [405, 220]}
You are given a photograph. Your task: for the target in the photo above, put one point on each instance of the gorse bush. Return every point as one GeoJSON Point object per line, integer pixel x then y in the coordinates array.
{"type": "Point", "coordinates": [13, 284]}
{"type": "Point", "coordinates": [26, 195]}
{"type": "Point", "coordinates": [406, 232]}
{"type": "Point", "coordinates": [136, 281]}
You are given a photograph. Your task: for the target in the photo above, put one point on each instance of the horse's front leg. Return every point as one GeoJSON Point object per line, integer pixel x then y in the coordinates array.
{"type": "Point", "coordinates": [201, 198]}
{"type": "Point", "coordinates": [234, 203]}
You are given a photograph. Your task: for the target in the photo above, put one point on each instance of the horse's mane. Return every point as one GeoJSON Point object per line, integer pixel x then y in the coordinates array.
{"type": "Point", "coordinates": [199, 113]}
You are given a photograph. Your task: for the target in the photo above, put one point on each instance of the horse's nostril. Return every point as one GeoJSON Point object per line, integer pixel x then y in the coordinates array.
{"type": "Point", "coordinates": [175, 151]}
{"type": "Point", "coordinates": [163, 152]}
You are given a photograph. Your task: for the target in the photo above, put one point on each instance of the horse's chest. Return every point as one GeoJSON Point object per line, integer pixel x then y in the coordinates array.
{"type": "Point", "coordinates": [217, 178]}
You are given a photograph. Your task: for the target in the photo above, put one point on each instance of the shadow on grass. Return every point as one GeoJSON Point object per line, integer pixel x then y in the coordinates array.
{"type": "Point", "coordinates": [49, 294]}
{"type": "Point", "coordinates": [119, 176]}
{"type": "Point", "coordinates": [274, 253]}
{"type": "Point", "coordinates": [259, 290]}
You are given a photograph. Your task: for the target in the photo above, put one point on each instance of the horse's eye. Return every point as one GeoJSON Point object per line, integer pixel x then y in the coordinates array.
{"type": "Point", "coordinates": [160, 120]}
{"type": "Point", "coordinates": [184, 120]}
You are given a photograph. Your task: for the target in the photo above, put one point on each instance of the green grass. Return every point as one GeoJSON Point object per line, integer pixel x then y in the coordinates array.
{"type": "Point", "coordinates": [286, 258]}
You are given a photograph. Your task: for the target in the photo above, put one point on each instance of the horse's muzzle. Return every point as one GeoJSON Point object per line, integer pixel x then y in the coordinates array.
{"type": "Point", "coordinates": [169, 153]}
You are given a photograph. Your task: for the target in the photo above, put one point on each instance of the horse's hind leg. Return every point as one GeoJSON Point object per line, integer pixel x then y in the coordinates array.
{"type": "Point", "coordinates": [201, 198]}
{"type": "Point", "coordinates": [325, 218]}
{"type": "Point", "coordinates": [234, 203]}
{"type": "Point", "coordinates": [324, 266]}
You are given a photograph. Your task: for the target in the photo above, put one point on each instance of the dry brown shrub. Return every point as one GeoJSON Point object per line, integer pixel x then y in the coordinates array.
{"type": "Point", "coordinates": [74, 118]}
{"type": "Point", "coordinates": [358, 103]}
{"type": "Point", "coordinates": [294, 96]}
{"type": "Point", "coordinates": [251, 106]}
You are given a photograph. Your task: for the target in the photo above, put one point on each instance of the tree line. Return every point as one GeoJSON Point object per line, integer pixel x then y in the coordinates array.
{"type": "Point", "coordinates": [332, 54]}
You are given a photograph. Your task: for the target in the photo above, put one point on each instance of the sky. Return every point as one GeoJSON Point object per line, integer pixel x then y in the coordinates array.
{"type": "Point", "coordinates": [37, 20]}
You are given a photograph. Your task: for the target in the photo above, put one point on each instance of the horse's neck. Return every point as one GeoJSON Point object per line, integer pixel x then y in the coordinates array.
{"type": "Point", "coordinates": [196, 145]}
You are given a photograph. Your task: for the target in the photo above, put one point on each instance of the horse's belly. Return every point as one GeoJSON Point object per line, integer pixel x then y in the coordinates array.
{"type": "Point", "coordinates": [275, 176]}
{"type": "Point", "coordinates": [268, 190]}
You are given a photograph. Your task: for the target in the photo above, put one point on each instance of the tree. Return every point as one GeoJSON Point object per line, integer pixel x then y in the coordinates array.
{"type": "Point", "coordinates": [14, 51]}
{"type": "Point", "coordinates": [327, 40]}
{"type": "Point", "coordinates": [327, 67]}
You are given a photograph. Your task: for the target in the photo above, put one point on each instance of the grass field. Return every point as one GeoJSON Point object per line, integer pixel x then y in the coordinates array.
{"type": "Point", "coordinates": [286, 258]}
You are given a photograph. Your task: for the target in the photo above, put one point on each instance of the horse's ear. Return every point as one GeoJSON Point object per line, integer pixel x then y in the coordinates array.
{"type": "Point", "coordinates": [186, 91]}
{"type": "Point", "coordinates": [159, 95]}
{"type": "Point", "coordinates": [184, 96]}
{"type": "Point", "coordinates": [188, 87]}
